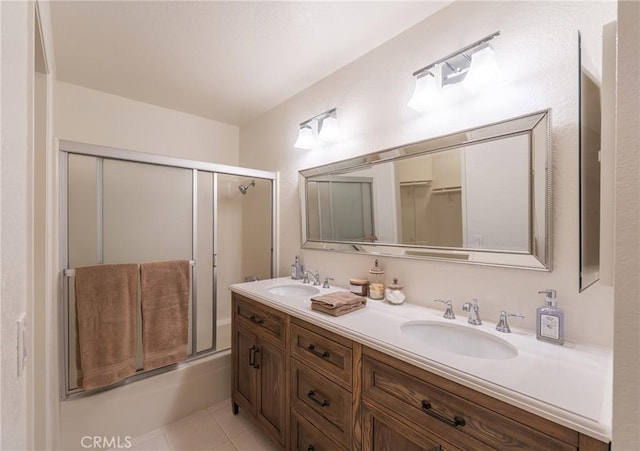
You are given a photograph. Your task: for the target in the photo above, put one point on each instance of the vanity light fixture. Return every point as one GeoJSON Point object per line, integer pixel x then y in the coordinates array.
{"type": "Point", "coordinates": [326, 125]}
{"type": "Point", "coordinates": [483, 69]}
{"type": "Point", "coordinates": [306, 138]}
{"type": "Point", "coordinates": [475, 62]}
{"type": "Point", "coordinates": [329, 130]}
{"type": "Point", "coordinates": [427, 92]}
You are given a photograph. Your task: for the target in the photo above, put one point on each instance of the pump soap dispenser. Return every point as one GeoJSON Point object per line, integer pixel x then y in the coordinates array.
{"type": "Point", "coordinates": [550, 319]}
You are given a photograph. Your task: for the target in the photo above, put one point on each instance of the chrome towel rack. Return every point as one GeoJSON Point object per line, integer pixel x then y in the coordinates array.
{"type": "Point", "coordinates": [71, 272]}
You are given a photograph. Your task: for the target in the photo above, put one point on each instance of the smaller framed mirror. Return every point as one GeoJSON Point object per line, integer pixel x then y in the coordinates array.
{"type": "Point", "coordinates": [478, 196]}
{"type": "Point", "coordinates": [590, 123]}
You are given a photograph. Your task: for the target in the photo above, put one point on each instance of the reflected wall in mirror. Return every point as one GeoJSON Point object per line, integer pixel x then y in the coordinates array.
{"type": "Point", "coordinates": [340, 208]}
{"type": "Point", "coordinates": [478, 196]}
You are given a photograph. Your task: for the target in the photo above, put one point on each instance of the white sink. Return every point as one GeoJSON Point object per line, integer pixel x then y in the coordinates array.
{"type": "Point", "coordinates": [461, 340]}
{"type": "Point", "coordinates": [293, 290]}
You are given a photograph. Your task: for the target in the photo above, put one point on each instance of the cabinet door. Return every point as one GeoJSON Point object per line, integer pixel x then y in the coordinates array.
{"type": "Point", "coordinates": [272, 390]}
{"type": "Point", "coordinates": [383, 432]}
{"type": "Point", "coordinates": [245, 373]}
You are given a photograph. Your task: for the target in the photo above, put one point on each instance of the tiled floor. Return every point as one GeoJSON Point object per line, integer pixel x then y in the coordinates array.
{"type": "Point", "coordinates": [212, 429]}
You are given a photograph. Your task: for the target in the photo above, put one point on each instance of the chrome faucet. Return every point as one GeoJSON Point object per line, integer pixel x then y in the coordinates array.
{"type": "Point", "coordinates": [503, 325]}
{"type": "Point", "coordinates": [448, 314]}
{"type": "Point", "coordinates": [315, 277]}
{"type": "Point", "coordinates": [474, 309]}
{"type": "Point", "coordinates": [326, 282]}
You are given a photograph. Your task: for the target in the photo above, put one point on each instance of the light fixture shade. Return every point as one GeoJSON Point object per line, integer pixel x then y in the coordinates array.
{"type": "Point", "coordinates": [484, 69]}
{"type": "Point", "coordinates": [426, 94]}
{"type": "Point", "coordinates": [329, 131]}
{"type": "Point", "coordinates": [306, 139]}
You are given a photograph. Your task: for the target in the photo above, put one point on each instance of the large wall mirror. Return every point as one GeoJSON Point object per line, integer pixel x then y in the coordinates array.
{"type": "Point", "coordinates": [590, 123]}
{"type": "Point", "coordinates": [476, 196]}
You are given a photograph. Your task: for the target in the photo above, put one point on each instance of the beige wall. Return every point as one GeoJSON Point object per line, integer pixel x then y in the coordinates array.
{"type": "Point", "coordinates": [538, 52]}
{"type": "Point", "coordinates": [626, 383]}
{"type": "Point", "coordinates": [94, 117]}
{"type": "Point", "coordinates": [16, 82]}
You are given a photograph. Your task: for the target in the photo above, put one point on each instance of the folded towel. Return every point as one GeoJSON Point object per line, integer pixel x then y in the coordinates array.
{"type": "Point", "coordinates": [164, 295]}
{"type": "Point", "coordinates": [338, 299]}
{"type": "Point", "coordinates": [336, 311]}
{"type": "Point", "coordinates": [338, 303]}
{"type": "Point", "coordinates": [106, 298]}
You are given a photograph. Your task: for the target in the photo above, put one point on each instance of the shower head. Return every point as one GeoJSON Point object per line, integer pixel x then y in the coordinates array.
{"type": "Point", "coordinates": [244, 188]}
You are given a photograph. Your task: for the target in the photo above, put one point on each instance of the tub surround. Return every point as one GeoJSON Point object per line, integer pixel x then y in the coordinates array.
{"type": "Point", "coordinates": [570, 385]}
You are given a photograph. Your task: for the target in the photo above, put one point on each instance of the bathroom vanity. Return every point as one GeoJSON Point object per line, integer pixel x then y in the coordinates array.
{"type": "Point", "coordinates": [316, 382]}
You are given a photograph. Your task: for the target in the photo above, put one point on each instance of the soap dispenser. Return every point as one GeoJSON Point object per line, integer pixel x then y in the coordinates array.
{"type": "Point", "coordinates": [550, 319]}
{"type": "Point", "coordinates": [297, 270]}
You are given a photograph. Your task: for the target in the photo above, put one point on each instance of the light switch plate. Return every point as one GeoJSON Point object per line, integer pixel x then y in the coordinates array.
{"type": "Point", "coordinates": [21, 344]}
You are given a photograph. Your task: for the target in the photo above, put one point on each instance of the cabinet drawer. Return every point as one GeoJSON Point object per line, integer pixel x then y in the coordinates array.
{"type": "Point", "coordinates": [447, 414]}
{"type": "Point", "coordinates": [383, 432]}
{"type": "Point", "coordinates": [306, 437]}
{"type": "Point", "coordinates": [321, 401]}
{"type": "Point", "coordinates": [322, 353]}
{"type": "Point", "coordinates": [260, 318]}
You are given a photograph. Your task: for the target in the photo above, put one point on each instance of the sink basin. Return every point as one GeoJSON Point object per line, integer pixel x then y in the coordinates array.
{"type": "Point", "coordinates": [293, 290]}
{"type": "Point", "coordinates": [461, 340]}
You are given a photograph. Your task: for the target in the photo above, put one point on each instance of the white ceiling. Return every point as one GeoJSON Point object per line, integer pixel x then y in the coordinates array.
{"type": "Point", "coordinates": [227, 61]}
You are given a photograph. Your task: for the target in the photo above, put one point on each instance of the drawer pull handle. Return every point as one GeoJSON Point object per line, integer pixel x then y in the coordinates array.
{"type": "Point", "coordinates": [312, 397]}
{"type": "Point", "coordinates": [312, 349]}
{"type": "Point", "coordinates": [256, 365]}
{"type": "Point", "coordinates": [256, 319]}
{"type": "Point", "coordinates": [310, 448]}
{"type": "Point", "coordinates": [252, 356]}
{"type": "Point", "coordinates": [457, 421]}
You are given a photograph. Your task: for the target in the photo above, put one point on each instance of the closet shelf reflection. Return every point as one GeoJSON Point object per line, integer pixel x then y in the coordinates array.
{"type": "Point", "coordinates": [452, 189]}
{"type": "Point", "coordinates": [417, 183]}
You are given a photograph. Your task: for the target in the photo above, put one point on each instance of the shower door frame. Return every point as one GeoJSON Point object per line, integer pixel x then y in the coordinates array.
{"type": "Point", "coordinates": [67, 148]}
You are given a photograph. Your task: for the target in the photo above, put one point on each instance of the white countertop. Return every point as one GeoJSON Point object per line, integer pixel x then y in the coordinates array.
{"type": "Point", "coordinates": [570, 385]}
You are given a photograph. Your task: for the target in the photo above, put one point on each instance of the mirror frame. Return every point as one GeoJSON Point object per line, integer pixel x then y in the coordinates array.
{"type": "Point", "coordinates": [539, 257]}
{"type": "Point", "coordinates": [589, 173]}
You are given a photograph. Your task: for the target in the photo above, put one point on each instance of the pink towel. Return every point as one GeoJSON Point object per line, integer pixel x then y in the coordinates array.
{"type": "Point", "coordinates": [165, 288]}
{"type": "Point", "coordinates": [106, 297]}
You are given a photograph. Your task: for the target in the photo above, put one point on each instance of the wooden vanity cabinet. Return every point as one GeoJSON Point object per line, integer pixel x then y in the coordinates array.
{"type": "Point", "coordinates": [260, 365]}
{"type": "Point", "coordinates": [315, 390]}
{"type": "Point", "coordinates": [452, 415]}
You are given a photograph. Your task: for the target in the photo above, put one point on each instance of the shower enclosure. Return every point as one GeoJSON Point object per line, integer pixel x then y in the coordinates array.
{"type": "Point", "coordinates": [120, 206]}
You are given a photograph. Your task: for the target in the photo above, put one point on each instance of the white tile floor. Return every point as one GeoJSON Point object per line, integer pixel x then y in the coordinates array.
{"type": "Point", "coordinates": [212, 429]}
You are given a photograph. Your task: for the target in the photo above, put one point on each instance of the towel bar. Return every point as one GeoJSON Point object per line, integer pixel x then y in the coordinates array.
{"type": "Point", "coordinates": [71, 272]}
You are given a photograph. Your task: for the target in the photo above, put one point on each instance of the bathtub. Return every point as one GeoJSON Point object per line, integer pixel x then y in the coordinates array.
{"type": "Point", "coordinates": [141, 406]}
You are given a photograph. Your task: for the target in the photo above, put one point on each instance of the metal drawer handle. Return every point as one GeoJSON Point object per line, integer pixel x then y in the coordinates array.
{"type": "Point", "coordinates": [457, 421]}
{"type": "Point", "coordinates": [252, 356]}
{"type": "Point", "coordinates": [256, 319]}
{"type": "Point", "coordinates": [256, 365]}
{"type": "Point", "coordinates": [312, 349]}
{"type": "Point", "coordinates": [312, 397]}
{"type": "Point", "coordinates": [310, 448]}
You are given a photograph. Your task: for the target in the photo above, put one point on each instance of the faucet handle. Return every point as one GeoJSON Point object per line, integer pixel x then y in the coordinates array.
{"type": "Point", "coordinates": [474, 309]}
{"type": "Point", "coordinates": [326, 282]}
{"type": "Point", "coordinates": [503, 325]}
{"type": "Point", "coordinates": [448, 314]}
{"type": "Point", "coordinates": [305, 279]}
{"type": "Point", "coordinates": [469, 306]}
